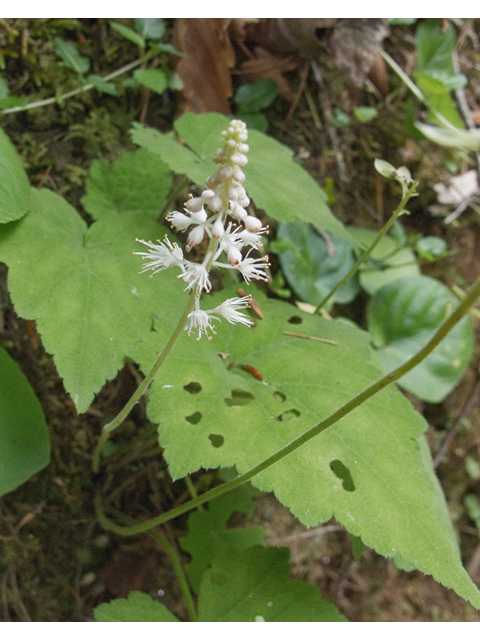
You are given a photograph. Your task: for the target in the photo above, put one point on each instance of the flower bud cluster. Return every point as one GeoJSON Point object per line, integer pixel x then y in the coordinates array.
{"type": "Point", "coordinates": [207, 216]}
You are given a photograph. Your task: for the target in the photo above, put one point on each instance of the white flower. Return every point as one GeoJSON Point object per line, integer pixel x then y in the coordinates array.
{"type": "Point", "coordinates": [200, 321]}
{"type": "Point", "coordinates": [253, 268]}
{"type": "Point", "coordinates": [197, 275]}
{"type": "Point", "coordinates": [229, 310]}
{"type": "Point", "coordinates": [181, 222]}
{"type": "Point", "coordinates": [161, 256]}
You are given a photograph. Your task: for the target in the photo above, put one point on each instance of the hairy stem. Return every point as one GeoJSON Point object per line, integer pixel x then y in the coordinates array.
{"type": "Point", "coordinates": [141, 389]}
{"type": "Point", "coordinates": [448, 324]}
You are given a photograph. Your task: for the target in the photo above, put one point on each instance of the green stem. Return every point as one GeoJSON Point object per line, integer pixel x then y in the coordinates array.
{"type": "Point", "coordinates": [117, 421]}
{"type": "Point", "coordinates": [414, 89]}
{"type": "Point", "coordinates": [448, 324]}
{"type": "Point", "coordinates": [398, 211]}
{"type": "Point", "coordinates": [74, 92]}
{"type": "Point", "coordinates": [179, 572]}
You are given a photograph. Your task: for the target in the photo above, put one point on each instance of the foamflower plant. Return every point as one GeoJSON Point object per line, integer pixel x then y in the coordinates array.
{"type": "Point", "coordinates": [219, 214]}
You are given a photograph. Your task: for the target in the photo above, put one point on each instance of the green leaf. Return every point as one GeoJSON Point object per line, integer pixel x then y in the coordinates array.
{"type": "Point", "coordinates": [438, 98]}
{"type": "Point", "coordinates": [129, 34]}
{"type": "Point", "coordinates": [25, 445]}
{"type": "Point", "coordinates": [150, 28]}
{"type": "Point", "coordinates": [70, 56]}
{"type": "Point", "coordinates": [389, 261]}
{"type": "Point", "coordinates": [237, 420]}
{"type": "Point", "coordinates": [434, 48]}
{"type": "Point", "coordinates": [365, 114]}
{"type": "Point", "coordinates": [273, 180]}
{"type": "Point", "coordinates": [468, 140]}
{"type": "Point", "coordinates": [15, 191]}
{"type": "Point", "coordinates": [402, 317]}
{"type": "Point", "coordinates": [179, 158]}
{"type": "Point", "coordinates": [240, 586]}
{"type": "Point", "coordinates": [83, 289]}
{"type": "Point", "coordinates": [101, 85]}
{"type": "Point", "coordinates": [137, 183]}
{"type": "Point", "coordinates": [256, 96]}
{"type": "Point", "coordinates": [312, 266]}
{"type": "Point", "coordinates": [431, 247]}
{"type": "Point", "coordinates": [154, 79]}
{"type": "Point", "coordinates": [208, 533]}
{"type": "Point", "coordinates": [138, 607]}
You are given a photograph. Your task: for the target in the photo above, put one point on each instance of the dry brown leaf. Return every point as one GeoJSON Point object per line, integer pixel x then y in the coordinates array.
{"type": "Point", "coordinates": [206, 72]}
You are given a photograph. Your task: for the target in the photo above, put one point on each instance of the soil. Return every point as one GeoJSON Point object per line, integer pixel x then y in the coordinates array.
{"type": "Point", "coordinates": [56, 561]}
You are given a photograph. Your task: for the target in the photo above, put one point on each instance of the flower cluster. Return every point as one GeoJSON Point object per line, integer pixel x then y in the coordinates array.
{"type": "Point", "coordinates": [231, 239]}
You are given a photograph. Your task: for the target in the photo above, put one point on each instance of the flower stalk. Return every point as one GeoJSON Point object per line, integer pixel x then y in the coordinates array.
{"type": "Point", "coordinates": [205, 216]}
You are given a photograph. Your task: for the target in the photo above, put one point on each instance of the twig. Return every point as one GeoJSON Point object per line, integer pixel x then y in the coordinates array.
{"type": "Point", "coordinates": [276, 542]}
{"type": "Point", "coordinates": [300, 335]}
{"type": "Point", "coordinates": [451, 436]}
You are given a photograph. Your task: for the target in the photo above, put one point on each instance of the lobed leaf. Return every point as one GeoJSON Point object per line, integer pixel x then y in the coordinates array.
{"type": "Point", "coordinates": [273, 180]}
{"type": "Point", "coordinates": [82, 287]}
{"type": "Point", "coordinates": [237, 420]}
{"type": "Point", "coordinates": [243, 586]}
{"type": "Point", "coordinates": [138, 607]}
{"type": "Point", "coordinates": [137, 183]}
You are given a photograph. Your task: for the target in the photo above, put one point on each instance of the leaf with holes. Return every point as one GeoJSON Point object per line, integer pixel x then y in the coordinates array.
{"type": "Point", "coordinates": [82, 287]}
{"type": "Point", "coordinates": [370, 470]}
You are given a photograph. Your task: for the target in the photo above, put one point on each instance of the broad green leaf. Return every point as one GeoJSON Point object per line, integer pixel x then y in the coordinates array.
{"type": "Point", "coordinates": [24, 440]}
{"type": "Point", "coordinates": [150, 28]}
{"type": "Point", "coordinates": [136, 183]}
{"type": "Point", "coordinates": [434, 48]}
{"type": "Point", "coordinates": [208, 533]}
{"type": "Point", "coordinates": [70, 56]}
{"type": "Point", "coordinates": [83, 289]}
{"type": "Point", "coordinates": [468, 140]}
{"type": "Point", "coordinates": [138, 607]}
{"type": "Point", "coordinates": [314, 264]}
{"type": "Point", "coordinates": [179, 158]}
{"type": "Point", "coordinates": [154, 79]}
{"type": "Point", "coordinates": [402, 317]}
{"type": "Point", "coordinates": [15, 190]}
{"type": "Point", "coordinates": [237, 420]}
{"type": "Point", "coordinates": [129, 34]}
{"type": "Point", "coordinates": [240, 586]}
{"type": "Point", "coordinates": [389, 261]}
{"type": "Point", "coordinates": [273, 180]}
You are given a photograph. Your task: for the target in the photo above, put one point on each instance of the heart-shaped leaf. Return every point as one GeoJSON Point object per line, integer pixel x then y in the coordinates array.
{"type": "Point", "coordinates": [402, 316]}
